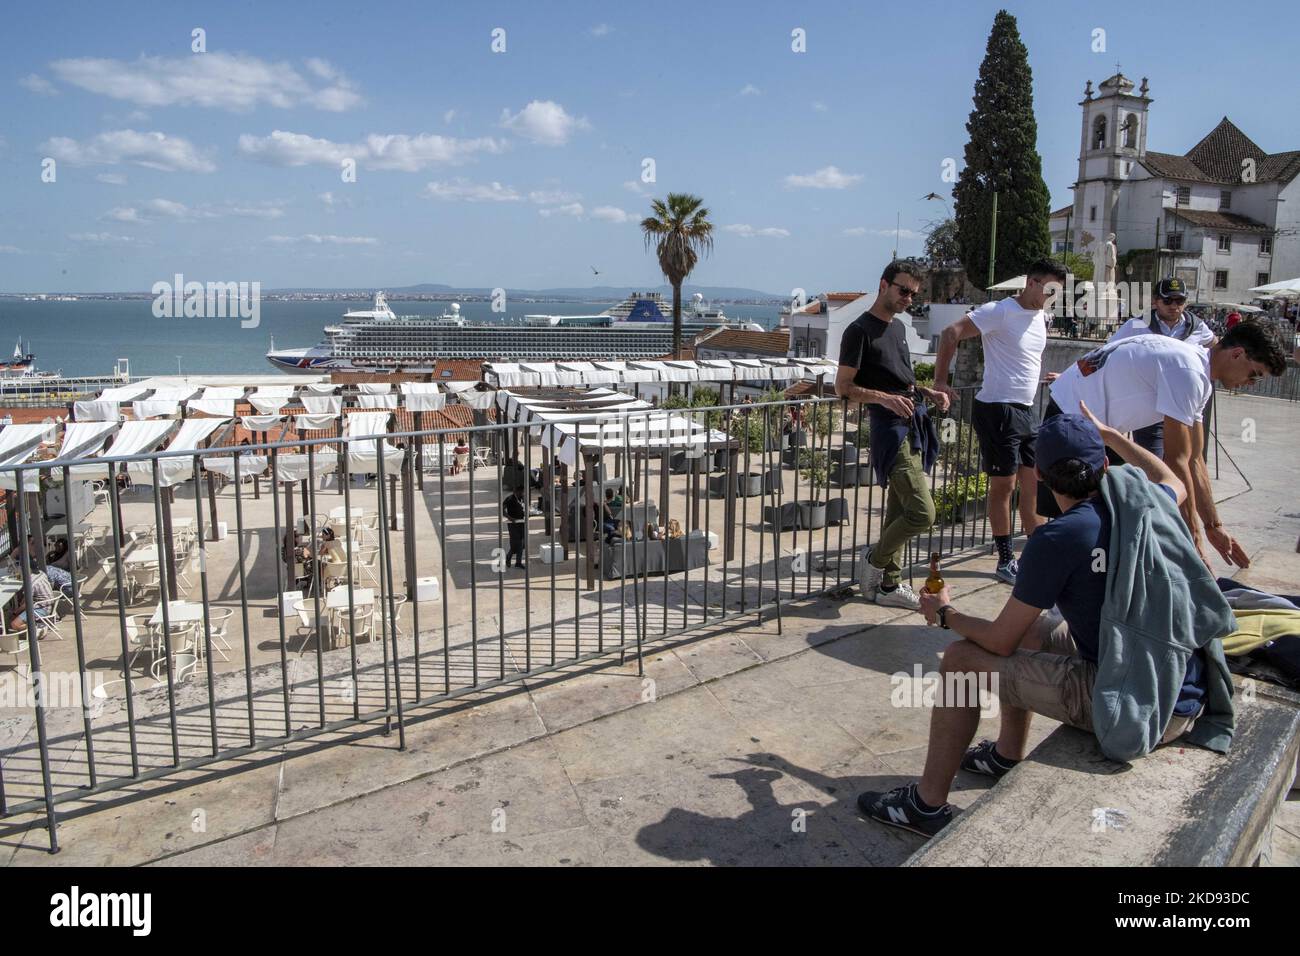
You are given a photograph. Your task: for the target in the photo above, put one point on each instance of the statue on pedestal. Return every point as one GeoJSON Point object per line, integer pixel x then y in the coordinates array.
{"type": "Point", "coordinates": [1104, 261]}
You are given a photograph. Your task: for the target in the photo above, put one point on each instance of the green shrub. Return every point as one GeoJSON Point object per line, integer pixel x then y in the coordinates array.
{"type": "Point", "coordinates": [924, 372]}
{"type": "Point", "coordinates": [959, 451]}
{"type": "Point", "coordinates": [950, 501]}
{"type": "Point", "coordinates": [812, 466]}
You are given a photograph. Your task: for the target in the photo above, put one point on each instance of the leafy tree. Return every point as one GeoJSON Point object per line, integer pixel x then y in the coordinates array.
{"type": "Point", "coordinates": [680, 232]}
{"type": "Point", "coordinates": [941, 243]}
{"type": "Point", "coordinates": [1002, 155]}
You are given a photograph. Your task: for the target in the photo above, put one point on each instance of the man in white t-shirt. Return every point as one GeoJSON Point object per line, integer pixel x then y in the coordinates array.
{"type": "Point", "coordinates": [1139, 381]}
{"type": "Point", "coordinates": [1014, 333]}
{"type": "Point", "coordinates": [1165, 318]}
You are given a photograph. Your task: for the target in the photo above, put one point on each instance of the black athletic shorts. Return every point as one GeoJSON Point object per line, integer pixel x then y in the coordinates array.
{"type": "Point", "coordinates": [1006, 433]}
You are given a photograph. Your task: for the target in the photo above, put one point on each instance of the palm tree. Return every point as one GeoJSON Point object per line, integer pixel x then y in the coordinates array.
{"type": "Point", "coordinates": [681, 232]}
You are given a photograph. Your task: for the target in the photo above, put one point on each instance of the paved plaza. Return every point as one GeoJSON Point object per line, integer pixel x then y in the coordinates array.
{"type": "Point", "coordinates": [743, 743]}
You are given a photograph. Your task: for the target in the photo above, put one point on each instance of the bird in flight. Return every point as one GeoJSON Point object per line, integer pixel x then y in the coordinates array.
{"type": "Point", "coordinates": [595, 270]}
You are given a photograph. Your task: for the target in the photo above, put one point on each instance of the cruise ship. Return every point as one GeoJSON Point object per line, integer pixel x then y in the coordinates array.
{"type": "Point", "coordinates": [378, 340]}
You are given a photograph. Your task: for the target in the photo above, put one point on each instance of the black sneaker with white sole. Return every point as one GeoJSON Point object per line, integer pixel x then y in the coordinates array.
{"type": "Point", "coordinates": [984, 759]}
{"type": "Point", "coordinates": [901, 808]}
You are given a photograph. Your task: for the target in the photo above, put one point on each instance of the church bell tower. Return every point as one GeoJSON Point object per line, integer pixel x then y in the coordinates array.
{"type": "Point", "coordinates": [1113, 139]}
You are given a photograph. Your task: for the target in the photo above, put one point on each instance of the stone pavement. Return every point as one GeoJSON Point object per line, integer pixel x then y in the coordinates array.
{"type": "Point", "coordinates": [747, 745]}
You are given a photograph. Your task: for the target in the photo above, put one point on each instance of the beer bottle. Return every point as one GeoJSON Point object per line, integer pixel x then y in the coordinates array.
{"type": "Point", "coordinates": [934, 582]}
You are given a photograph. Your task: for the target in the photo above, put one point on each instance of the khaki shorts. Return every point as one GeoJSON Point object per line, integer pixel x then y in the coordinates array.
{"type": "Point", "coordinates": [1056, 682]}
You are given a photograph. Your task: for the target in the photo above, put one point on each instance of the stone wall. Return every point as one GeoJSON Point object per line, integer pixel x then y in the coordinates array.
{"type": "Point", "coordinates": [968, 367]}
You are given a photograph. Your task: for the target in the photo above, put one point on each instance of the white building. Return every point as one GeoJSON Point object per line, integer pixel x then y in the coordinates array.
{"type": "Point", "coordinates": [816, 329]}
{"type": "Point", "coordinates": [1224, 216]}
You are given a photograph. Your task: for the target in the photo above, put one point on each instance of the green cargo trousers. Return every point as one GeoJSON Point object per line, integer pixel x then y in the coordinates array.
{"type": "Point", "coordinates": [909, 511]}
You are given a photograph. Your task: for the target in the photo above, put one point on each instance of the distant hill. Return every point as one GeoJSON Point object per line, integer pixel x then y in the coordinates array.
{"type": "Point", "coordinates": [590, 292]}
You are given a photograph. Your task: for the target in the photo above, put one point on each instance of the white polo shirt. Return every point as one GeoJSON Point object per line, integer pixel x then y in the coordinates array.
{"type": "Point", "coordinates": [1014, 339]}
{"type": "Point", "coordinates": [1137, 381]}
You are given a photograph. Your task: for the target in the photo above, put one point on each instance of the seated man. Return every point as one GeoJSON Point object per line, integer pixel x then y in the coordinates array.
{"type": "Point", "coordinates": [42, 597]}
{"type": "Point", "coordinates": [1039, 663]}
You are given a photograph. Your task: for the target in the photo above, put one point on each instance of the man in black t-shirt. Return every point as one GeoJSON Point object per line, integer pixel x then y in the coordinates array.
{"type": "Point", "coordinates": [875, 367]}
{"type": "Point", "coordinates": [516, 514]}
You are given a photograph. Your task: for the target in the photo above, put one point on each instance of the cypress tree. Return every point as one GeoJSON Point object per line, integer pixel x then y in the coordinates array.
{"type": "Point", "coordinates": [1002, 154]}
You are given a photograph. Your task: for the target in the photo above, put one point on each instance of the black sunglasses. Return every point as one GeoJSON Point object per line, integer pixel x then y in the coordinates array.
{"type": "Point", "coordinates": [905, 291]}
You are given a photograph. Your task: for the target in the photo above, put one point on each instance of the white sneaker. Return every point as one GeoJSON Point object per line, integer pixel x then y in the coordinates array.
{"type": "Point", "coordinates": [901, 596]}
{"type": "Point", "coordinates": [869, 577]}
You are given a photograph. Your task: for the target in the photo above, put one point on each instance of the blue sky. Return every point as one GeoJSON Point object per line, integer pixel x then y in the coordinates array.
{"type": "Point", "coordinates": [523, 168]}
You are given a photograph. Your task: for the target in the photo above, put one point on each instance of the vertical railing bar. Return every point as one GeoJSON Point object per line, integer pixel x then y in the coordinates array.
{"type": "Point", "coordinates": [83, 673]}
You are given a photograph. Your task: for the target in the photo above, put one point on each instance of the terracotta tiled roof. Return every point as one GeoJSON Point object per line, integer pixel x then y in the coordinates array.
{"type": "Point", "coordinates": [1218, 158]}
{"type": "Point", "coordinates": [1231, 221]}
{"type": "Point", "coordinates": [1062, 211]}
{"type": "Point", "coordinates": [812, 308]}
{"type": "Point", "coordinates": [802, 389]}
{"type": "Point", "coordinates": [741, 340]}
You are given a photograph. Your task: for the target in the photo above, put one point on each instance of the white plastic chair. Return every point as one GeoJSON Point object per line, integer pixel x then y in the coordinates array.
{"type": "Point", "coordinates": [141, 636]}
{"type": "Point", "coordinates": [219, 624]}
{"type": "Point", "coordinates": [14, 644]}
{"type": "Point", "coordinates": [307, 626]}
{"type": "Point", "coordinates": [365, 624]}
{"type": "Point", "coordinates": [184, 663]}
{"type": "Point", "coordinates": [366, 563]}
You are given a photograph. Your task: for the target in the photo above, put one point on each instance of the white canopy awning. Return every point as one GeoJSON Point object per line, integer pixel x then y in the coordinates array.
{"type": "Point", "coordinates": [314, 423]}
{"type": "Point", "coordinates": [320, 388]}
{"type": "Point", "coordinates": [155, 408]}
{"type": "Point", "coordinates": [124, 393]}
{"type": "Point", "coordinates": [18, 443]}
{"type": "Point", "coordinates": [172, 471]}
{"type": "Point", "coordinates": [83, 439]}
{"type": "Point", "coordinates": [268, 404]}
{"type": "Point", "coordinates": [377, 401]}
{"type": "Point", "coordinates": [363, 424]}
{"type": "Point", "coordinates": [225, 465]}
{"type": "Point", "coordinates": [583, 374]}
{"type": "Point", "coordinates": [97, 410]}
{"type": "Point", "coordinates": [423, 396]}
{"type": "Point", "coordinates": [374, 388]}
{"type": "Point", "coordinates": [261, 423]}
{"type": "Point", "coordinates": [138, 437]}
{"type": "Point", "coordinates": [1010, 285]}
{"type": "Point", "coordinates": [322, 404]}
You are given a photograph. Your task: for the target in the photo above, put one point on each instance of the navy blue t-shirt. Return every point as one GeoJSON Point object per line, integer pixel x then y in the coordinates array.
{"type": "Point", "coordinates": [1064, 564]}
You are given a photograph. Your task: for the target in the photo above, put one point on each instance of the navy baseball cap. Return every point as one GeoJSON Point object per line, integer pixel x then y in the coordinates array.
{"type": "Point", "coordinates": [1069, 436]}
{"type": "Point", "coordinates": [1171, 288]}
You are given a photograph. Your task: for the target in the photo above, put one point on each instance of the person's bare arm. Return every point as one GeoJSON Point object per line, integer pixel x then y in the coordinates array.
{"type": "Point", "coordinates": [948, 339]}
{"type": "Point", "coordinates": [1134, 454]}
{"type": "Point", "coordinates": [1188, 443]}
{"type": "Point", "coordinates": [1001, 636]}
{"type": "Point", "coordinates": [844, 388]}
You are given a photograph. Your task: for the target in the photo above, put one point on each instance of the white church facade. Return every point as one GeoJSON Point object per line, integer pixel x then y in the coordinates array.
{"type": "Point", "coordinates": [1224, 216]}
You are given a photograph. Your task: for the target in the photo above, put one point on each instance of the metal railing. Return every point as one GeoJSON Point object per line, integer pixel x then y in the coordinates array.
{"type": "Point", "coordinates": [233, 670]}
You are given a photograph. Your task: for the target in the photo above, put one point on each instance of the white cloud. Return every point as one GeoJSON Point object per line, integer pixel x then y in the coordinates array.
{"type": "Point", "coordinates": [316, 239]}
{"type": "Point", "coordinates": [229, 81]}
{"type": "Point", "coordinates": [465, 191]}
{"type": "Point", "coordinates": [612, 214]}
{"type": "Point", "coordinates": [153, 150]}
{"type": "Point", "coordinates": [38, 85]}
{"type": "Point", "coordinates": [332, 200]}
{"type": "Point", "coordinates": [828, 177]}
{"type": "Point", "coordinates": [601, 30]}
{"type": "Point", "coordinates": [98, 237]}
{"type": "Point", "coordinates": [552, 197]}
{"type": "Point", "coordinates": [112, 179]}
{"type": "Point", "coordinates": [378, 151]}
{"type": "Point", "coordinates": [158, 210]}
{"type": "Point", "coordinates": [749, 89]}
{"type": "Point", "coordinates": [545, 122]}
{"type": "Point", "coordinates": [746, 231]}
{"type": "Point", "coordinates": [570, 209]}
{"type": "Point", "coordinates": [635, 186]}
{"type": "Point", "coordinates": [902, 233]}
{"type": "Point", "coordinates": [448, 116]}
{"type": "Point", "coordinates": [819, 107]}
{"type": "Point", "coordinates": [856, 231]}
